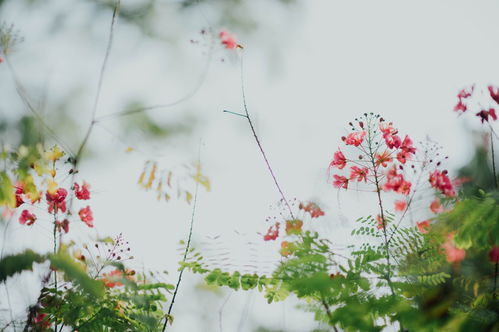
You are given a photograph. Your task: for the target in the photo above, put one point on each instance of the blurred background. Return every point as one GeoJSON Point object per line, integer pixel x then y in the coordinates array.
{"type": "Point", "coordinates": [310, 67]}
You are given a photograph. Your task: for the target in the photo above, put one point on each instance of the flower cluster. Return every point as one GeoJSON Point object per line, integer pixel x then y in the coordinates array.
{"type": "Point", "coordinates": [387, 161]}
{"type": "Point", "coordinates": [485, 110]}
{"type": "Point", "coordinates": [294, 226]}
{"type": "Point", "coordinates": [56, 197]}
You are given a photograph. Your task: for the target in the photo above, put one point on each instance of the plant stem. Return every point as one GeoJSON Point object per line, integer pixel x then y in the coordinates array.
{"type": "Point", "coordinates": [495, 282]}
{"type": "Point", "coordinates": [493, 159]}
{"type": "Point", "coordinates": [248, 117]}
{"type": "Point", "coordinates": [187, 247]}
{"type": "Point", "coordinates": [99, 85]}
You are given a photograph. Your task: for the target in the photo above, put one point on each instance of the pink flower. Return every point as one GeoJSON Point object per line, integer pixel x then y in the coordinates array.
{"type": "Point", "coordinates": [312, 208]}
{"type": "Point", "coordinates": [27, 218]}
{"type": "Point", "coordinates": [339, 160]}
{"type": "Point", "coordinates": [387, 128]}
{"type": "Point", "coordinates": [41, 322]}
{"type": "Point", "coordinates": [19, 191]}
{"type": "Point", "coordinates": [64, 225]}
{"type": "Point", "coordinates": [340, 181]}
{"type": "Point", "coordinates": [440, 180]}
{"type": "Point", "coordinates": [381, 224]}
{"type": "Point", "coordinates": [355, 139]}
{"type": "Point", "coordinates": [272, 233]}
{"type": "Point", "coordinates": [407, 145]}
{"type": "Point", "coordinates": [358, 173]}
{"type": "Point", "coordinates": [228, 40]}
{"type": "Point", "coordinates": [383, 158]}
{"type": "Point", "coordinates": [82, 193]}
{"type": "Point", "coordinates": [494, 254]}
{"type": "Point", "coordinates": [463, 94]}
{"type": "Point", "coordinates": [396, 182]}
{"type": "Point", "coordinates": [86, 216]}
{"type": "Point", "coordinates": [460, 107]}
{"type": "Point", "coordinates": [494, 93]}
{"type": "Point", "coordinates": [453, 253]}
{"type": "Point", "coordinates": [423, 226]}
{"type": "Point", "coordinates": [435, 206]}
{"type": "Point", "coordinates": [57, 201]}
{"type": "Point", "coordinates": [484, 115]}
{"type": "Point", "coordinates": [392, 141]}
{"type": "Point", "coordinates": [403, 156]}
{"type": "Point", "coordinates": [400, 205]}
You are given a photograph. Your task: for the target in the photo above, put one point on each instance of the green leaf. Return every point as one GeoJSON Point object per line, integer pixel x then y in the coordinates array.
{"type": "Point", "coordinates": [74, 272]}
{"type": "Point", "coordinates": [18, 263]}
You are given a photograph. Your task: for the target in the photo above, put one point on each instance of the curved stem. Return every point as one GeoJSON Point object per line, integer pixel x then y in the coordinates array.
{"type": "Point", "coordinates": [248, 117]}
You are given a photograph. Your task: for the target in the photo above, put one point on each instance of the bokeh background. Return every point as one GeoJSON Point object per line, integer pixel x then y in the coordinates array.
{"type": "Point", "coordinates": [310, 67]}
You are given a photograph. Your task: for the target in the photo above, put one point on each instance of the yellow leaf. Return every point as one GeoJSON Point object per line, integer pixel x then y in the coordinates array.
{"type": "Point", "coordinates": [476, 286]}
{"type": "Point", "coordinates": [188, 197]}
{"type": "Point", "coordinates": [129, 149]}
{"type": "Point", "coordinates": [152, 176]}
{"type": "Point", "coordinates": [51, 186]}
{"type": "Point", "coordinates": [54, 154]}
{"type": "Point", "coordinates": [201, 179]}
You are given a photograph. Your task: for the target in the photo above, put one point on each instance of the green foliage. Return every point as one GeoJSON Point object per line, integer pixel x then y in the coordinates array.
{"type": "Point", "coordinates": [12, 264]}
{"type": "Point", "coordinates": [76, 274]}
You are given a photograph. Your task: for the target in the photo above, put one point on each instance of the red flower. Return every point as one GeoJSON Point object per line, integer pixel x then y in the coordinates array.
{"type": "Point", "coordinates": [40, 321]}
{"type": "Point", "coordinates": [312, 208]}
{"type": "Point", "coordinates": [463, 94]}
{"type": "Point", "coordinates": [82, 193]}
{"type": "Point", "coordinates": [381, 224]}
{"type": "Point", "coordinates": [494, 93]}
{"type": "Point", "coordinates": [440, 180]}
{"type": "Point", "coordinates": [423, 226]}
{"type": "Point", "coordinates": [57, 200]}
{"type": "Point", "coordinates": [86, 216]}
{"type": "Point", "coordinates": [407, 145]}
{"type": "Point", "coordinates": [383, 158]}
{"type": "Point", "coordinates": [387, 128]}
{"type": "Point", "coordinates": [228, 40]}
{"type": "Point", "coordinates": [64, 225]}
{"type": "Point", "coordinates": [392, 141]}
{"type": "Point", "coordinates": [358, 173]}
{"type": "Point", "coordinates": [340, 181]}
{"type": "Point", "coordinates": [355, 138]}
{"type": "Point", "coordinates": [460, 107]}
{"type": "Point", "coordinates": [400, 205]}
{"type": "Point", "coordinates": [484, 115]}
{"type": "Point", "coordinates": [27, 218]}
{"type": "Point", "coordinates": [396, 182]}
{"type": "Point", "coordinates": [19, 191]}
{"type": "Point", "coordinates": [494, 254]}
{"type": "Point", "coordinates": [339, 160]}
{"type": "Point", "coordinates": [453, 253]}
{"type": "Point", "coordinates": [272, 233]}
{"type": "Point", "coordinates": [435, 206]}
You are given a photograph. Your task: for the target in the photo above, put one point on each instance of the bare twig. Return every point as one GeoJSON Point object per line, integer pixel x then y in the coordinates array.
{"type": "Point", "coordinates": [99, 84]}
{"type": "Point", "coordinates": [250, 122]}
{"type": "Point", "coordinates": [187, 247]}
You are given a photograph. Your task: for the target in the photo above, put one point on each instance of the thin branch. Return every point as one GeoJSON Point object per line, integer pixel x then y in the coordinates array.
{"type": "Point", "coordinates": [187, 247]}
{"type": "Point", "coordinates": [248, 117]}
{"type": "Point", "coordinates": [189, 95]}
{"type": "Point", "coordinates": [99, 84]}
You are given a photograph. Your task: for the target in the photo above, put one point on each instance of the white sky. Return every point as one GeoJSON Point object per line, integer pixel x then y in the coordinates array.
{"type": "Point", "coordinates": [307, 74]}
